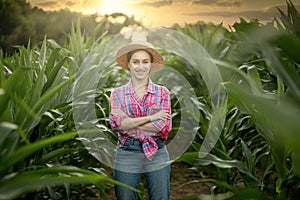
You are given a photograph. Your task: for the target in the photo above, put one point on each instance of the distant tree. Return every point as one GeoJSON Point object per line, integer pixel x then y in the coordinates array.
{"type": "Point", "coordinates": [20, 23]}
{"type": "Point", "coordinates": [13, 24]}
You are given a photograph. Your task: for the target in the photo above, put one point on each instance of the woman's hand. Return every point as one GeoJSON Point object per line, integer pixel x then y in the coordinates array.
{"type": "Point", "coordinates": [163, 115]}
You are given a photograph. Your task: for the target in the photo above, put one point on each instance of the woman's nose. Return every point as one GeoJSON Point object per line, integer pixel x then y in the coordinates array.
{"type": "Point", "coordinates": [140, 64]}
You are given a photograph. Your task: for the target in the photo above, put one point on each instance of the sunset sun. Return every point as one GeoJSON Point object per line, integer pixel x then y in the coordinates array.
{"type": "Point", "coordinates": [168, 12]}
{"type": "Point", "coordinates": [112, 6]}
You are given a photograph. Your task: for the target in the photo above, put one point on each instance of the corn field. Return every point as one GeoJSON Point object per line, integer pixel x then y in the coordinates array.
{"type": "Point", "coordinates": [256, 156]}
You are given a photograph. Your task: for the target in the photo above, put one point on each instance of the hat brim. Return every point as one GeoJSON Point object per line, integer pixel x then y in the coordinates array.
{"type": "Point", "coordinates": [158, 61]}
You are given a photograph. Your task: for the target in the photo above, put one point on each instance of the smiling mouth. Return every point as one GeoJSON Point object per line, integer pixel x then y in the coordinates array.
{"type": "Point", "coordinates": [140, 71]}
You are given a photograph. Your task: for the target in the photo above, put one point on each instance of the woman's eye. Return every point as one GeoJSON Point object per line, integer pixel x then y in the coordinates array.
{"type": "Point", "coordinates": [138, 62]}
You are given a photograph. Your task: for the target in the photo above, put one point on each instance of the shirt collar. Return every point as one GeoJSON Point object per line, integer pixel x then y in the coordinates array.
{"type": "Point", "coordinates": [130, 90]}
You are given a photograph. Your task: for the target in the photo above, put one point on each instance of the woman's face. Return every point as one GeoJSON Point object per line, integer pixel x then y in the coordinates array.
{"type": "Point", "coordinates": [140, 64]}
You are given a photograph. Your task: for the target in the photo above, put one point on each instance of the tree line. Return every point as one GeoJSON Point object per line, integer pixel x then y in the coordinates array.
{"type": "Point", "coordinates": [21, 22]}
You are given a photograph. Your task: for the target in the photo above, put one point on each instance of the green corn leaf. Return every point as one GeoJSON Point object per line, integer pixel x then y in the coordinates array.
{"type": "Point", "coordinates": [91, 40]}
{"type": "Point", "coordinates": [27, 100]}
{"type": "Point", "coordinates": [37, 88]}
{"type": "Point", "coordinates": [253, 73]}
{"type": "Point", "coordinates": [277, 117]}
{"type": "Point", "coordinates": [294, 17]}
{"type": "Point", "coordinates": [5, 129]}
{"type": "Point", "coordinates": [51, 61]}
{"type": "Point", "coordinates": [19, 154]}
{"type": "Point", "coordinates": [194, 159]}
{"type": "Point", "coordinates": [267, 110]}
{"type": "Point", "coordinates": [13, 186]}
{"type": "Point", "coordinates": [55, 154]}
{"type": "Point", "coordinates": [43, 52]}
{"type": "Point", "coordinates": [10, 86]}
{"type": "Point", "coordinates": [53, 74]}
{"type": "Point", "coordinates": [220, 183]}
{"type": "Point", "coordinates": [280, 86]}
{"type": "Point", "coordinates": [248, 193]}
{"type": "Point", "coordinates": [2, 75]}
{"type": "Point", "coordinates": [39, 107]}
{"type": "Point", "coordinates": [290, 45]}
{"type": "Point", "coordinates": [248, 155]}
{"type": "Point", "coordinates": [284, 19]}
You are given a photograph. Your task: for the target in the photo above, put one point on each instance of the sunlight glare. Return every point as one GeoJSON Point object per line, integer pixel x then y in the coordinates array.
{"type": "Point", "coordinates": [112, 6]}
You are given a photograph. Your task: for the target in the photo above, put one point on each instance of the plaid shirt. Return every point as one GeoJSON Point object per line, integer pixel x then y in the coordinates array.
{"type": "Point", "coordinates": [155, 99]}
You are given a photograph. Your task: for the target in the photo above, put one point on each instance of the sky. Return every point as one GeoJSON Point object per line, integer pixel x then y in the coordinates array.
{"type": "Point", "coordinates": [164, 13]}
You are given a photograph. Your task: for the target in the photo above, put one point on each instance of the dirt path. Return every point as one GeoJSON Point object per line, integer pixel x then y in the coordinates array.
{"type": "Point", "coordinates": [182, 174]}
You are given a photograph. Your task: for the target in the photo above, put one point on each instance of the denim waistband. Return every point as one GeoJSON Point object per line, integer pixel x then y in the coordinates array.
{"type": "Point", "coordinates": [133, 144]}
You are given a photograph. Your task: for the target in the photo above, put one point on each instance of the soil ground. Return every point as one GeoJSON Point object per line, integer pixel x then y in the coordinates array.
{"type": "Point", "coordinates": [182, 174]}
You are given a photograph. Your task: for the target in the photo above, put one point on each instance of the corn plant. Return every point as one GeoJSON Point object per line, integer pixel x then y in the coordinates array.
{"type": "Point", "coordinates": [36, 122]}
{"type": "Point", "coordinates": [276, 113]}
{"type": "Point", "coordinates": [261, 76]}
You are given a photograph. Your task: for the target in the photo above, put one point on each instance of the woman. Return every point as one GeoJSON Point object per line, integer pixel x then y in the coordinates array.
{"type": "Point", "coordinates": [140, 112]}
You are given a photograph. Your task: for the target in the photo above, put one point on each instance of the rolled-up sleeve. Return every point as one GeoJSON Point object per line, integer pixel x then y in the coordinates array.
{"type": "Point", "coordinates": [164, 126]}
{"type": "Point", "coordinates": [116, 104]}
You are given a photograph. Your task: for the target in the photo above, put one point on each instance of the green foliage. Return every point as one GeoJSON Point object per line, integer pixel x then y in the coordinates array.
{"type": "Point", "coordinates": [290, 21]}
{"type": "Point", "coordinates": [256, 156]}
{"type": "Point", "coordinates": [248, 193]}
{"type": "Point", "coordinates": [261, 76]}
{"type": "Point", "coordinates": [38, 141]}
{"type": "Point", "coordinates": [211, 37]}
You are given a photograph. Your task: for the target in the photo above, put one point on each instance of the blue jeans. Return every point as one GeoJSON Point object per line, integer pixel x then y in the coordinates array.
{"type": "Point", "coordinates": [131, 162]}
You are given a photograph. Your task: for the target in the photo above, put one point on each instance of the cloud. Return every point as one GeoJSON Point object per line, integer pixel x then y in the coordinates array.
{"type": "Point", "coordinates": [87, 3]}
{"type": "Point", "coordinates": [219, 3]}
{"type": "Point", "coordinates": [71, 3]}
{"type": "Point", "coordinates": [264, 14]}
{"type": "Point", "coordinates": [47, 4]}
{"type": "Point", "coordinates": [56, 4]}
{"type": "Point", "coordinates": [90, 3]}
{"type": "Point", "coordinates": [156, 4]}
{"type": "Point", "coordinates": [205, 2]}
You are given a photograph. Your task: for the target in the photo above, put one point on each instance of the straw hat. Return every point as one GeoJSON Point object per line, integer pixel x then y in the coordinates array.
{"type": "Point", "coordinates": [121, 57]}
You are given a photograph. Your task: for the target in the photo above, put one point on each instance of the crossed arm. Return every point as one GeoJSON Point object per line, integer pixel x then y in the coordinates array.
{"type": "Point", "coordinates": [143, 123]}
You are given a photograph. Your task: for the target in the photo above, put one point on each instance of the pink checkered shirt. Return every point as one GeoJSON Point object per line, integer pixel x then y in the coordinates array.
{"type": "Point", "coordinates": [155, 99]}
